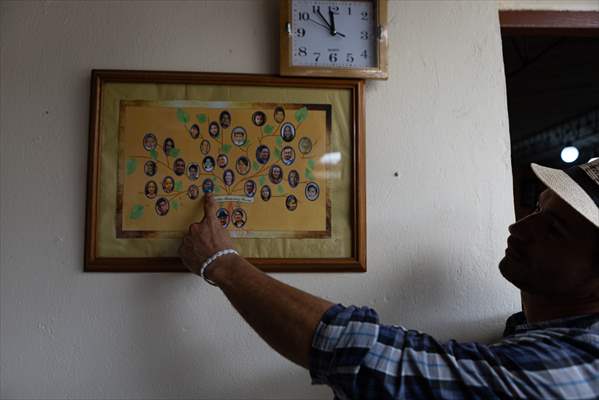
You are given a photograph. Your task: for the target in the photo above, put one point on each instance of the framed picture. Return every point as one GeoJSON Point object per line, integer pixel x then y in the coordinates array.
{"type": "Point", "coordinates": [284, 158]}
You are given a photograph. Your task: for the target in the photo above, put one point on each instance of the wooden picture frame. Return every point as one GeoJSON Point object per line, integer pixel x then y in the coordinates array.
{"type": "Point", "coordinates": [382, 45]}
{"type": "Point", "coordinates": [111, 90]}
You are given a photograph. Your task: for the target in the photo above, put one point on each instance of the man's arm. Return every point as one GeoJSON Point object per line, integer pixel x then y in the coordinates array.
{"type": "Point", "coordinates": [285, 317]}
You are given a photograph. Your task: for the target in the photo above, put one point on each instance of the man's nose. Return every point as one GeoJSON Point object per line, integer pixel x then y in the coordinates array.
{"type": "Point", "coordinates": [529, 227]}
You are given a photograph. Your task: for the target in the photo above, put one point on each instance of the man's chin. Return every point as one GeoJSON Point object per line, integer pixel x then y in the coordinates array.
{"type": "Point", "coordinates": [512, 272]}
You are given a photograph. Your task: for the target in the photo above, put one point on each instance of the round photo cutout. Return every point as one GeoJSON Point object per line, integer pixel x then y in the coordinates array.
{"type": "Point", "coordinates": [291, 202]}
{"type": "Point", "coordinates": [162, 206]}
{"type": "Point", "coordinates": [223, 217]}
{"type": "Point", "coordinates": [287, 131]}
{"type": "Point", "coordinates": [179, 166]}
{"type": "Point", "coordinates": [208, 186]}
{"type": "Point", "coordinates": [262, 154]}
{"type": "Point", "coordinates": [242, 165]}
{"type": "Point", "coordinates": [150, 142]}
{"type": "Point", "coordinates": [193, 171]}
{"type": "Point", "coordinates": [168, 184]}
{"type": "Point", "coordinates": [214, 130]}
{"type": "Point", "coordinates": [225, 119]}
{"type": "Point", "coordinates": [279, 115]}
{"type": "Point", "coordinates": [239, 136]}
{"type": "Point", "coordinates": [169, 144]}
{"type": "Point", "coordinates": [249, 188]}
{"type": "Point", "coordinates": [228, 177]}
{"type": "Point", "coordinates": [265, 193]}
{"type": "Point", "coordinates": [275, 174]}
{"type": "Point", "coordinates": [305, 145]}
{"type": "Point", "coordinates": [151, 189]}
{"type": "Point", "coordinates": [194, 131]}
{"type": "Point", "coordinates": [208, 164]}
{"type": "Point", "coordinates": [150, 168]}
{"type": "Point", "coordinates": [312, 191]}
{"type": "Point", "coordinates": [205, 147]}
{"type": "Point", "coordinates": [259, 118]}
{"type": "Point", "coordinates": [222, 160]}
{"type": "Point", "coordinates": [293, 178]}
{"type": "Point", "coordinates": [287, 155]}
{"type": "Point", "coordinates": [238, 217]}
{"type": "Point", "coordinates": [193, 192]}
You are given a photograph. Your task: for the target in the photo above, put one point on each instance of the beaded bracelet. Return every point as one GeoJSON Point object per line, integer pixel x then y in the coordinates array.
{"type": "Point", "coordinates": [211, 259]}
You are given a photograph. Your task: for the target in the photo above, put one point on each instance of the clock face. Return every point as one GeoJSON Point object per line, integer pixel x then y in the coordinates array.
{"type": "Point", "coordinates": [333, 34]}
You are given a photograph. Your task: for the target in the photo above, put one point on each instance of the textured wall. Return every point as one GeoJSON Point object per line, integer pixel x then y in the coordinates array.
{"type": "Point", "coordinates": [435, 233]}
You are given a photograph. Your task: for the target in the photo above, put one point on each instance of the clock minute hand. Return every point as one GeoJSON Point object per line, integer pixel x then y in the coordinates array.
{"type": "Point", "coordinates": [325, 21]}
{"type": "Point", "coordinates": [332, 25]}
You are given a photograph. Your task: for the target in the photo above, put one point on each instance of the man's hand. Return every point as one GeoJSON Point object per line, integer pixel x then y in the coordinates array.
{"type": "Point", "coordinates": [204, 238]}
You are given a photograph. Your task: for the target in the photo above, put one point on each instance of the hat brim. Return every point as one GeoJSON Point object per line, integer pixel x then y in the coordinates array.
{"type": "Point", "coordinates": [566, 188]}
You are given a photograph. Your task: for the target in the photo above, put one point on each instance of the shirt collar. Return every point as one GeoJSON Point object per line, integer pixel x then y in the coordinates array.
{"type": "Point", "coordinates": [517, 323]}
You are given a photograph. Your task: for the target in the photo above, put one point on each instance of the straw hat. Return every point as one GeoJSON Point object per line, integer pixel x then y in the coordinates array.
{"type": "Point", "coordinates": [578, 186]}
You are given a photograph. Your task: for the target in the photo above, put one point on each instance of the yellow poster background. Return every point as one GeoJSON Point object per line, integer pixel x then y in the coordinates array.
{"type": "Point", "coordinates": [173, 120]}
{"type": "Point", "coordinates": [339, 244]}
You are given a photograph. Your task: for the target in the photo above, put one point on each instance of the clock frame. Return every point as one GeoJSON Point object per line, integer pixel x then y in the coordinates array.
{"type": "Point", "coordinates": [380, 71]}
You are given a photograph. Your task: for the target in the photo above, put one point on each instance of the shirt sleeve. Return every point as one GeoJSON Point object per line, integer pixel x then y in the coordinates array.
{"type": "Point", "coordinates": [361, 359]}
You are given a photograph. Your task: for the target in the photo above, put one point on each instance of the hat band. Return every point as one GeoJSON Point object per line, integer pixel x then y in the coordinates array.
{"type": "Point", "coordinates": [585, 182]}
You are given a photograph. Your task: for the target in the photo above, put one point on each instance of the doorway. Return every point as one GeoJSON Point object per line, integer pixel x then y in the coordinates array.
{"type": "Point", "coordinates": [551, 62]}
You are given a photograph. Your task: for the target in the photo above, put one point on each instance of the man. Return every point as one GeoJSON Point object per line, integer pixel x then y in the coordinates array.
{"type": "Point", "coordinates": [179, 167]}
{"type": "Point", "coordinates": [552, 256]}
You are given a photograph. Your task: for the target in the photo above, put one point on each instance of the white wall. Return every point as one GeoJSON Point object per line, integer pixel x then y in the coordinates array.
{"type": "Point", "coordinates": [435, 233]}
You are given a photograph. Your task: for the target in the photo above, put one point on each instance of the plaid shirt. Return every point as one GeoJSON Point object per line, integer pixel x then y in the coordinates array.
{"type": "Point", "coordinates": [362, 359]}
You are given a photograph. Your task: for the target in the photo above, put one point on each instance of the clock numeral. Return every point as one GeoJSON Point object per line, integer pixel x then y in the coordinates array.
{"type": "Point", "coordinates": [364, 35]}
{"type": "Point", "coordinates": [317, 56]}
{"type": "Point", "coordinates": [348, 10]}
{"type": "Point", "coordinates": [334, 9]}
{"type": "Point", "coordinates": [315, 9]}
{"type": "Point", "coordinates": [333, 57]}
{"type": "Point", "coordinates": [304, 16]}
{"type": "Point", "coordinates": [302, 51]}
{"type": "Point", "coordinates": [364, 15]}
{"type": "Point", "coordinates": [364, 54]}
{"type": "Point", "coordinates": [301, 32]}
{"type": "Point", "coordinates": [349, 58]}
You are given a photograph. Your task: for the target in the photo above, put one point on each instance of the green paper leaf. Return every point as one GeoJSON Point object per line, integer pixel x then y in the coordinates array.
{"type": "Point", "coordinates": [277, 153]}
{"type": "Point", "coordinates": [268, 129]}
{"type": "Point", "coordinates": [255, 166]}
{"type": "Point", "coordinates": [301, 114]}
{"type": "Point", "coordinates": [202, 118]}
{"type": "Point", "coordinates": [182, 116]}
{"type": "Point", "coordinates": [174, 152]}
{"type": "Point", "coordinates": [175, 204]}
{"type": "Point", "coordinates": [311, 164]}
{"type": "Point", "coordinates": [280, 189]}
{"type": "Point", "coordinates": [279, 141]}
{"type": "Point", "coordinates": [213, 178]}
{"type": "Point", "coordinates": [262, 180]}
{"type": "Point", "coordinates": [227, 148]}
{"type": "Point", "coordinates": [309, 174]}
{"type": "Point", "coordinates": [216, 189]}
{"type": "Point", "coordinates": [131, 166]}
{"type": "Point", "coordinates": [178, 186]}
{"type": "Point", "coordinates": [136, 211]}
{"type": "Point", "coordinates": [154, 154]}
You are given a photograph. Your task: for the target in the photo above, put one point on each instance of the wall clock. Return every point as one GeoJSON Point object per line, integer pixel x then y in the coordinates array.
{"type": "Point", "coordinates": [334, 38]}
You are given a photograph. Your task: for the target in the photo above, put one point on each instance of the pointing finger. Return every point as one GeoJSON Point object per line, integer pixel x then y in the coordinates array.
{"type": "Point", "coordinates": [209, 206]}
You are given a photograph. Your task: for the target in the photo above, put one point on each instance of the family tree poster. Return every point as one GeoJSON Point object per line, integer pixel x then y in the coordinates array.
{"type": "Point", "coordinates": [262, 161]}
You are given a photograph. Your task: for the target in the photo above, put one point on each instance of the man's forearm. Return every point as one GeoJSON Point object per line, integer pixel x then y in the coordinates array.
{"type": "Point", "coordinates": [285, 317]}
